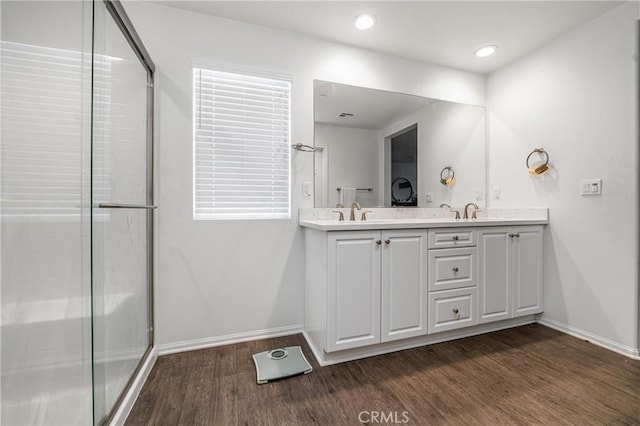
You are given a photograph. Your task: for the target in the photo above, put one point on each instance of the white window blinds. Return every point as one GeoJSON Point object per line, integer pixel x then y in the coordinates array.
{"type": "Point", "coordinates": [241, 146]}
{"type": "Point", "coordinates": [44, 114]}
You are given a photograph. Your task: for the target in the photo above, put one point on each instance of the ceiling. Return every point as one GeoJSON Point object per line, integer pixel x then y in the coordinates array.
{"type": "Point", "coordinates": [438, 32]}
{"type": "Point", "coordinates": [372, 109]}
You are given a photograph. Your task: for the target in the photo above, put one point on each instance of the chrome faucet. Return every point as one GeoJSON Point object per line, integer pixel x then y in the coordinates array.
{"type": "Point", "coordinates": [353, 214]}
{"type": "Point", "coordinates": [447, 206]}
{"type": "Point", "coordinates": [475, 209]}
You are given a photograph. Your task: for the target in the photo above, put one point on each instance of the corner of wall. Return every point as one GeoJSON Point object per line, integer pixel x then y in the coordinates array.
{"type": "Point", "coordinates": [637, 177]}
{"type": "Point", "coordinates": [578, 98]}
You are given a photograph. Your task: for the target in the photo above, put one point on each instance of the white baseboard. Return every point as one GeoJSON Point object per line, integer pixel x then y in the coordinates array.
{"type": "Point", "coordinates": [603, 342]}
{"type": "Point", "coordinates": [210, 342]}
{"type": "Point", "coordinates": [130, 398]}
{"type": "Point", "coordinates": [325, 358]}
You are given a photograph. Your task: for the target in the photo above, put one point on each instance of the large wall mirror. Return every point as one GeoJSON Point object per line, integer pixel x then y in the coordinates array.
{"type": "Point", "coordinates": [386, 149]}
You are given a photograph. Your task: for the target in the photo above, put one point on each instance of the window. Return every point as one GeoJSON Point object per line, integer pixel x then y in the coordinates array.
{"type": "Point", "coordinates": [241, 146]}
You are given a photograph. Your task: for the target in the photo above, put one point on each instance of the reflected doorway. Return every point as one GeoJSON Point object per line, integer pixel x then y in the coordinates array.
{"type": "Point", "coordinates": [404, 167]}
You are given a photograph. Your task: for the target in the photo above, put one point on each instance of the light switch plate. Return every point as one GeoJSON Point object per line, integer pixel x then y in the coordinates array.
{"type": "Point", "coordinates": [495, 193]}
{"type": "Point", "coordinates": [590, 187]}
{"type": "Point", "coordinates": [306, 190]}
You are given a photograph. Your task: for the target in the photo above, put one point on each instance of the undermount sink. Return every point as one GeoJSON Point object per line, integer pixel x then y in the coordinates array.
{"type": "Point", "coordinates": [389, 221]}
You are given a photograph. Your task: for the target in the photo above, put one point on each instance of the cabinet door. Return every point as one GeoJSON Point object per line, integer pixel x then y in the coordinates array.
{"type": "Point", "coordinates": [527, 270]}
{"type": "Point", "coordinates": [494, 274]}
{"type": "Point", "coordinates": [404, 284]}
{"type": "Point", "coordinates": [353, 311]}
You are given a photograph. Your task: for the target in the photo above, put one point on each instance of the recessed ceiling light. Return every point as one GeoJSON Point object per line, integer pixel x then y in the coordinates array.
{"type": "Point", "coordinates": [485, 51]}
{"type": "Point", "coordinates": [364, 21]}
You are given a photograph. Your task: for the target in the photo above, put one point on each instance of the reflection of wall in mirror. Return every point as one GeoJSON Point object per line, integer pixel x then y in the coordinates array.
{"type": "Point", "coordinates": [448, 134]}
{"type": "Point", "coordinates": [353, 161]}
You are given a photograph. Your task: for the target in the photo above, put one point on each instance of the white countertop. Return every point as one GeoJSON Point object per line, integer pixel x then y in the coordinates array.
{"type": "Point", "coordinates": [319, 219]}
{"type": "Point", "coordinates": [335, 225]}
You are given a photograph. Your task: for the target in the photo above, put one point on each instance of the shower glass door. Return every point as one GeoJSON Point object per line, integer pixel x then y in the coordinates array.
{"type": "Point", "coordinates": [122, 214]}
{"type": "Point", "coordinates": [45, 103]}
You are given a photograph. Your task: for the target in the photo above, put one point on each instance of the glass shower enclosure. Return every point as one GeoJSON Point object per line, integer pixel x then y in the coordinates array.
{"type": "Point", "coordinates": [76, 212]}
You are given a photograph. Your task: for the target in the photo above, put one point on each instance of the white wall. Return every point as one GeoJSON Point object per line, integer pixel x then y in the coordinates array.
{"type": "Point", "coordinates": [576, 97]}
{"type": "Point", "coordinates": [220, 278]}
{"type": "Point", "coordinates": [353, 161]}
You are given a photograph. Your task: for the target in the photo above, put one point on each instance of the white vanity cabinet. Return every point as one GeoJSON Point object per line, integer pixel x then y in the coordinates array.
{"type": "Point", "coordinates": [376, 287]}
{"type": "Point", "coordinates": [509, 272]}
{"type": "Point", "coordinates": [373, 287]}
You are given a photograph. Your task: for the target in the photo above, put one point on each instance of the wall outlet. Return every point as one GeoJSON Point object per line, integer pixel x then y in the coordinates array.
{"type": "Point", "coordinates": [307, 192]}
{"type": "Point", "coordinates": [429, 197]}
{"type": "Point", "coordinates": [479, 194]}
{"type": "Point", "coordinates": [495, 193]}
{"type": "Point", "coordinates": [591, 187]}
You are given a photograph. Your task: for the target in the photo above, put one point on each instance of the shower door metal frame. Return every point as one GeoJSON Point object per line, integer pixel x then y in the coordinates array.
{"type": "Point", "coordinates": [119, 15]}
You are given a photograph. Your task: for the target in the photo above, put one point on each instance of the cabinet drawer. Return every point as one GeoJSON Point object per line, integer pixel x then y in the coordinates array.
{"type": "Point", "coordinates": [452, 268]}
{"type": "Point", "coordinates": [451, 309]}
{"type": "Point", "coordinates": [452, 237]}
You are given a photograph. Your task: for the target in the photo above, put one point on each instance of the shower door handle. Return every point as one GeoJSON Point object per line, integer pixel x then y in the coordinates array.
{"type": "Point", "coordinates": [126, 206]}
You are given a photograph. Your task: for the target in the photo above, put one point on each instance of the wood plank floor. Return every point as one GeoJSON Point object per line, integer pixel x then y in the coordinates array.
{"type": "Point", "coordinates": [524, 375]}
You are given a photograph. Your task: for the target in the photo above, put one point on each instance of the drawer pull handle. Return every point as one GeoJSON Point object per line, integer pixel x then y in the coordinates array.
{"type": "Point", "coordinates": [387, 241]}
{"type": "Point", "coordinates": [378, 242]}
{"type": "Point", "coordinates": [455, 311]}
{"type": "Point", "coordinates": [517, 235]}
{"type": "Point", "coordinates": [455, 269]}
{"type": "Point", "coordinates": [455, 238]}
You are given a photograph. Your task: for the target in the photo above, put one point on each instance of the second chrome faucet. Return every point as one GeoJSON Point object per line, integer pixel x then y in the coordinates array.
{"type": "Point", "coordinates": [352, 216]}
{"type": "Point", "coordinates": [354, 206]}
{"type": "Point", "coordinates": [466, 211]}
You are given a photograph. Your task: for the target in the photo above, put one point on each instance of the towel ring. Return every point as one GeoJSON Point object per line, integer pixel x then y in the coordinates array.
{"type": "Point", "coordinates": [538, 170]}
{"type": "Point", "coordinates": [447, 176]}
